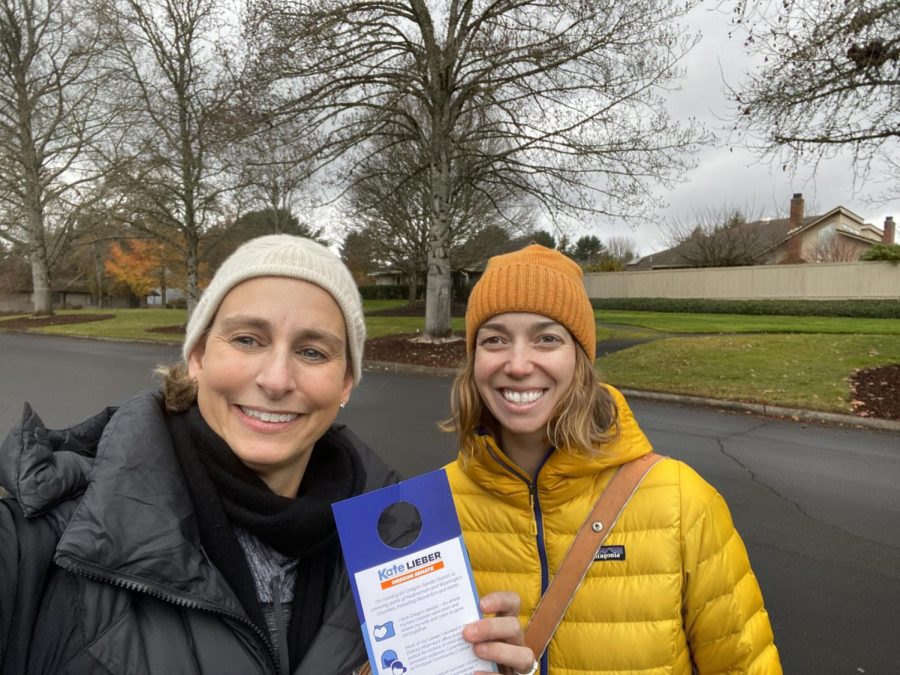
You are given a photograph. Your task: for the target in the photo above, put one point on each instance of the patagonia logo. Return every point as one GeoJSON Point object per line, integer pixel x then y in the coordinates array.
{"type": "Point", "coordinates": [610, 553]}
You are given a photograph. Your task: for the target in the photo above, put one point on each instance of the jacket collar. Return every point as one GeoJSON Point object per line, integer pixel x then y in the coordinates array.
{"type": "Point", "coordinates": [42, 467]}
{"type": "Point", "coordinates": [557, 479]}
{"type": "Point", "coordinates": [134, 524]}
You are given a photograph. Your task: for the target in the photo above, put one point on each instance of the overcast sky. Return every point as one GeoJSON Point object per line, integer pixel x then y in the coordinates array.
{"type": "Point", "coordinates": [733, 175]}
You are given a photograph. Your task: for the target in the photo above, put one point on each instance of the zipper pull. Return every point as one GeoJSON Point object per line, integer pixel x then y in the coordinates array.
{"type": "Point", "coordinates": [532, 496]}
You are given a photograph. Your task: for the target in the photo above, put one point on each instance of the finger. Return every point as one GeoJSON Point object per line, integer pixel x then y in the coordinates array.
{"type": "Point", "coordinates": [518, 658]}
{"type": "Point", "coordinates": [495, 629]}
{"type": "Point", "coordinates": [501, 603]}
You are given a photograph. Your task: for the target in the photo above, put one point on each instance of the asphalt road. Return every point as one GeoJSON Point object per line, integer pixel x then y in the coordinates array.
{"type": "Point", "coordinates": [819, 507]}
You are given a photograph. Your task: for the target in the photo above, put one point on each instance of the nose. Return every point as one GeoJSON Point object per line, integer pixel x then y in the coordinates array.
{"type": "Point", "coordinates": [519, 363]}
{"type": "Point", "coordinates": [276, 376]}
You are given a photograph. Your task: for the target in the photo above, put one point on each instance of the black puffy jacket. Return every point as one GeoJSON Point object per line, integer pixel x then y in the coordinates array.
{"type": "Point", "coordinates": [101, 570]}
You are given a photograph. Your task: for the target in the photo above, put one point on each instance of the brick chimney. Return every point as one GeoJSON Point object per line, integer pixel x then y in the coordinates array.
{"type": "Point", "coordinates": [795, 219]}
{"type": "Point", "coordinates": [888, 236]}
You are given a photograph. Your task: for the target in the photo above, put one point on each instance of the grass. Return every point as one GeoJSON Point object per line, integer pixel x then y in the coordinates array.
{"type": "Point", "coordinates": [779, 360]}
{"type": "Point", "coordinates": [804, 371]}
{"type": "Point", "coordinates": [128, 324]}
{"type": "Point", "coordinates": [378, 305]}
{"type": "Point", "coordinates": [132, 324]}
{"type": "Point", "coordinates": [668, 322]}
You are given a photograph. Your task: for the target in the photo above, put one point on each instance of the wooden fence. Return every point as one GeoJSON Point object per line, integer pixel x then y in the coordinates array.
{"type": "Point", "coordinates": [823, 281]}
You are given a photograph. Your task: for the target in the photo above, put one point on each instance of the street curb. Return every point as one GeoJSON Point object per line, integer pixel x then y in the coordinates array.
{"type": "Point", "coordinates": [98, 338]}
{"type": "Point", "coordinates": [407, 369]}
{"type": "Point", "coordinates": [797, 414]}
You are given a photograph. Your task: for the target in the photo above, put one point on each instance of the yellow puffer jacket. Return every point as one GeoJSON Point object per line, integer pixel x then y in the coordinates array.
{"type": "Point", "coordinates": [684, 595]}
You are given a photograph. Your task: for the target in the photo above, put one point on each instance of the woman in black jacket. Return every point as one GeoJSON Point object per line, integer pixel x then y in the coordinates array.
{"type": "Point", "coordinates": [190, 531]}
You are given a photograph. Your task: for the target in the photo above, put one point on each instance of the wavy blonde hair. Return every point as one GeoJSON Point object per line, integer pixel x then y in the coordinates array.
{"type": "Point", "coordinates": [179, 389]}
{"type": "Point", "coordinates": [585, 418]}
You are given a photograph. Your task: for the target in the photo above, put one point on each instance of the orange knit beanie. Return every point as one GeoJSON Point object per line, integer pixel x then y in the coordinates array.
{"type": "Point", "coordinates": [538, 280]}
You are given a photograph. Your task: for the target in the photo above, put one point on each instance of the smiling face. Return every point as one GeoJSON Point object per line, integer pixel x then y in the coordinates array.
{"type": "Point", "coordinates": [524, 365]}
{"type": "Point", "coordinates": [271, 374]}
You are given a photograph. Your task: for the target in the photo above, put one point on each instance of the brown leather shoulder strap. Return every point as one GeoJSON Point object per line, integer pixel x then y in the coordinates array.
{"type": "Point", "coordinates": [553, 604]}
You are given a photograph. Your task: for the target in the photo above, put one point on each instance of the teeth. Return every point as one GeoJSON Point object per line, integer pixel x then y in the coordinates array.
{"type": "Point", "coordinates": [267, 416]}
{"type": "Point", "coordinates": [522, 396]}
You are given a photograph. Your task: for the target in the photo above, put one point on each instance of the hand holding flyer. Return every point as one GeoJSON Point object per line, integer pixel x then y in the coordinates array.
{"type": "Point", "coordinates": [414, 601]}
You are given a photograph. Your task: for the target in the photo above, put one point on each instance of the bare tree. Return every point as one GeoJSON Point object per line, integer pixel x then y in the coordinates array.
{"type": "Point", "coordinates": [828, 78]}
{"type": "Point", "coordinates": [566, 94]}
{"type": "Point", "coordinates": [617, 251]}
{"type": "Point", "coordinates": [50, 115]}
{"type": "Point", "coordinates": [391, 197]}
{"type": "Point", "coordinates": [717, 237]}
{"type": "Point", "coordinates": [174, 60]}
{"type": "Point", "coordinates": [621, 250]}
{"type": "Point", "coordinates": [833, 249]}
{"type": "Point", "coordinates": [274, 167]}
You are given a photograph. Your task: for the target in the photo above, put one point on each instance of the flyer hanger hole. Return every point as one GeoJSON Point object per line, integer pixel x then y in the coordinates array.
{"type": "Point", "coordinates": [399, 525]}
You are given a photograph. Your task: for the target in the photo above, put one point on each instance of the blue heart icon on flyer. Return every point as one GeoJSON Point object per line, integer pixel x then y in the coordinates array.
{"type": "Point", "coordinates": [384, 631]}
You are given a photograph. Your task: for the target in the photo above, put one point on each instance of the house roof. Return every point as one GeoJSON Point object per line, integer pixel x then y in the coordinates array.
{"type": "Point", "coordinates": [770, 233]}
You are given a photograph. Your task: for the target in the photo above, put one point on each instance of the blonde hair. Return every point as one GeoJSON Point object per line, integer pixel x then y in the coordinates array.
{"type": "Point", "coordinates": [585, 418]}
{"type": "Point", "coordinates": [179, 388]}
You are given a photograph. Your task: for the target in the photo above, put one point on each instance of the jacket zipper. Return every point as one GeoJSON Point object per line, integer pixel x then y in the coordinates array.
{"type": "Point", "coordinates": [537, 530]}
{"type": "Point", "coordinates": [102, 575]}
{"type": "Point", "coordinates": [280, 629]}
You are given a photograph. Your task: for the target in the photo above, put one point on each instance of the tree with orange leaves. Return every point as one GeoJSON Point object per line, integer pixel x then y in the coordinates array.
{"type": "Point", "coordinates": [139, 264]}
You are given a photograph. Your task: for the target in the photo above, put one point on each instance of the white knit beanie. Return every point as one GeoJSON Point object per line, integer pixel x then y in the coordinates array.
{"type": "Point", "coordinates": [284, 255]}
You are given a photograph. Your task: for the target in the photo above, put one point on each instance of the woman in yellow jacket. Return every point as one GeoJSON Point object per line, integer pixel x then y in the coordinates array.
{"type": "Point", "coordinates": [671, 589]}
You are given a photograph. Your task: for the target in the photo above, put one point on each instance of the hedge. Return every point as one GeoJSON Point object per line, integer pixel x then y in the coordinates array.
{"type": "Point", "coordinates": [374, 292]}
{"type": "Point", "coordinates": [871, 309]}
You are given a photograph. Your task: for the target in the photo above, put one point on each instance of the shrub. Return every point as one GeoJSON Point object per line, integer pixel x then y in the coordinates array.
{"type": "Point", "coordinates": [375, 292]}
{"type": "Point", "coordinates": [873, 309]}
{"type": "Point", "coordinates": [882, 252]}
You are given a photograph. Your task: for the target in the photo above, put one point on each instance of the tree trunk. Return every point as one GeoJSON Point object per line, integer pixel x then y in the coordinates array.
{"type": "Point", "coordinates": [98, 275]}
{"type": "Point", "coordinates": [437, 288]}
{"type": "Point", "coordinates": [192, 263]}
{"type": "Point", "coordinates": [40, 281]}
{"type": "Point", "coordinates": [162, 285]}
{"type": "Point", "coordinates": [412, 285]}
{"type": "Point", "coordinates": [40, 270]}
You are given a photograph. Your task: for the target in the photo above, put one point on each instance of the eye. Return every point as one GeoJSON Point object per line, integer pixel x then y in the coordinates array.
{"type": "Point", "coordinates": [490, 341]}
{"type": "Point", "coordinates": [245, 341]}
{"type": "Point", "coordinates": [549, 339]}
{"type": "Point", "coordinates": [312, 354]}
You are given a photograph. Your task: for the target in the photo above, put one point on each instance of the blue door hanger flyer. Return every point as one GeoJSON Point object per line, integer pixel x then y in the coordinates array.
{"type": "Point", "coordinates": [412, 601]}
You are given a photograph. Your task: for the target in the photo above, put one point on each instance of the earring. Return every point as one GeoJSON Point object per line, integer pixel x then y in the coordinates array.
{"type": "Point", "coordinates": [343, 404]}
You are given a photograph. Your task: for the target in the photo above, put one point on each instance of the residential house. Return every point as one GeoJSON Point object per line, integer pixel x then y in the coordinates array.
{"type": "Point", "coordinates": [836, 236]}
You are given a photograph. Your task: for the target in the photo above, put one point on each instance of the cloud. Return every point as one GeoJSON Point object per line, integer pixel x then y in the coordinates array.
{"type": "Point", "coordinates": [729, 174]}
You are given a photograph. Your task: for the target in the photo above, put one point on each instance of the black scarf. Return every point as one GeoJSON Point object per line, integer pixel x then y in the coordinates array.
{"type": "Point", "coordinates": [225, 491]}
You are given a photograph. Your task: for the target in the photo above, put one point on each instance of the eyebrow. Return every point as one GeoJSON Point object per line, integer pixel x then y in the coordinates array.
{"type": "Point", "coordinates": [537, 325]}
{"type": "Point", "coordinates": [238, 321]}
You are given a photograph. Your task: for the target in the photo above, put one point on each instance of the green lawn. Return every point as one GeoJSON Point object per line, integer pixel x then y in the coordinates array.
{"type": "Point", "coordinates": [128, 324]}
{"type": "Point", "coordinates": [805, 371]}
{"type": "Point", "coordinates": [132, 324]}
{"type": "Point", "coordinates": [671, 322]}
{"type": "Point", "coordinates": [792, 361]}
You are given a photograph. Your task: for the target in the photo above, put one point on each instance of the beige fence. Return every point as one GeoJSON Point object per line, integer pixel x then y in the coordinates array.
{"type": "Point", "coordinates": [828, 281]}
